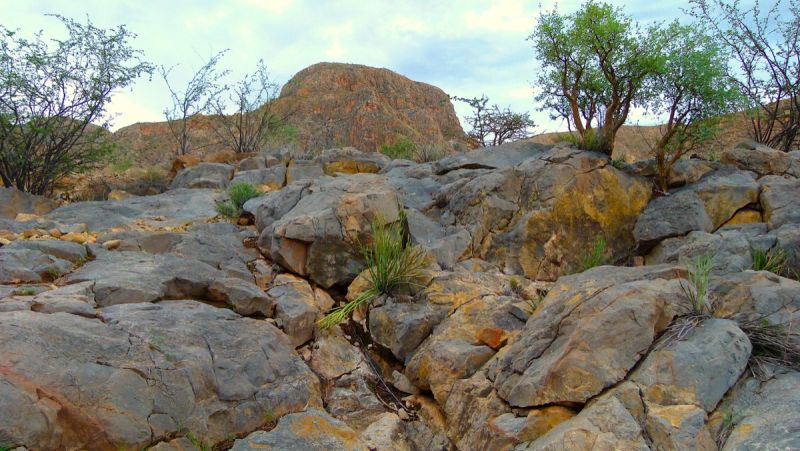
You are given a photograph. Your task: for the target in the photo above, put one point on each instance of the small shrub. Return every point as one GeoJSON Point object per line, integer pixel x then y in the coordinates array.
{"type": "Point", "coordinates": [429, 153]}
{"type": "Point", "coordinates": [27, 291]}
{"type": "Point", "coordinates": [619, 163]}
{"type": "Point", "coordinates": [515, 287]}
{"type": "Point", "coordinates": [588, 141]}
{"type": "Point", "coordinates": [53, 273]}
{"type": "Point", "coordinates": [391, 262]}
{"type": "Point", "coordinates": [198, 442]}
{"type": "Point", "coordinates": [595, 257]}
{"type": "Point", "coordinates": [699, 275]}
{"type": "Point", "coordinates": [238, 194]}
{"type": "Point", "coordinates": [403, 148]}
{"type": "Point", "coordinates": [729, 421]}
{"type": "Point", "coordinates": [773, 260]}
{"type": "Point", "coordinates": [148, 181]}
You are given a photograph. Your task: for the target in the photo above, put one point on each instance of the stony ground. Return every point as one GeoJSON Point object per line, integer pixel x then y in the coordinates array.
{"type": "Point", "coordinates": [150, 322]}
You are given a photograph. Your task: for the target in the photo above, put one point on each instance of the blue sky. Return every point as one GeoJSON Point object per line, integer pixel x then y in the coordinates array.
{"type": "Point", "coordinates": [464, 47]}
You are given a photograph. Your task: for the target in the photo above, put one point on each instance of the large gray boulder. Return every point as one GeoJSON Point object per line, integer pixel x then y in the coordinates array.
{"type": "Point", "coordinates": [271, 178]}
{"type": "Point", "coordinates": [780, 201]}
{"type": "Point", "coordinates": [751, 156]}
{"type": "Point", "coordinates": [314, 229]}
{"type": "Point", "coordinates": [143, 374]}
{"type": "Point", "coordinates": [671, 216]}
{"type": "Point", "coordinates": [203, 175]}
{"type": "Point", "coordinates": [170, 209]}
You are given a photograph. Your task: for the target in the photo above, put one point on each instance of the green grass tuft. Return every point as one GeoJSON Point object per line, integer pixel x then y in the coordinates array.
{"type": "Point", "coordinates": [699, 275]}
{"type": "Point", "coordinates": [238, 194]}
{"type": "Point", "coordinates": [403, 148]}
{"type": "Point", "coordinates": [391, 262]}
{"type": "Point", "coordinates": [773, 260]}
{"type": "Point", "coordinates": [595, 257]}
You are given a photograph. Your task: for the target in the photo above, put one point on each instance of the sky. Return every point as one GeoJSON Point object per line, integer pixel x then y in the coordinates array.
{"type": "Point", "coordinates": [465, 47]}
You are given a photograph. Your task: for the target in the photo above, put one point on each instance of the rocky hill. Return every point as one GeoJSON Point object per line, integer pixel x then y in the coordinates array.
{"type": "Point", "coordinates": [152, 322]}
{"type": "Point", "coordinates": [328, 105]}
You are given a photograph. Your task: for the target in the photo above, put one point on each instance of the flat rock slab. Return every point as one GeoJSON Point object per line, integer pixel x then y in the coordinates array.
{"type": "Point", "coordinates": [172, 208]}
{"type": "Point", "coordinates": [144, 374]}
{"type": "Point", "coordinates": [313, 430]}
{"type": "Point", "coordinates": [204, 175]}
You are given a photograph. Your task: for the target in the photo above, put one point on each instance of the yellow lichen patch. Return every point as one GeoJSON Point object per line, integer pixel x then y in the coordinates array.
{"type": "Point", "coordinates": [675, 415]}
{"type": "Point", "coordinates": [350, 167]}
{"type": "Point", "coordinates": [539, 421]}
{"type": "Point", "coordinates": [745, 217]}
{"type": "Point", "coordinates": [316, 427]}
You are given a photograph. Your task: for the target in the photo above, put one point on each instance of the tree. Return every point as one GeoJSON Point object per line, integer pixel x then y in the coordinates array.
{"type": "Point", "coordinates": [691, 90]}
{"type": "Point", "coordinates": [765, 48]}
{"type": "Point", "coordinates": [195, 99]}
{"type": "Point", "coordinates": [593, 65]}
{"type": "Point", "coordinates": [492, 126]}
{"type": "Point", "coordinates": [53, 93]}
{"type": "Point", "coordinates": [253, 120]}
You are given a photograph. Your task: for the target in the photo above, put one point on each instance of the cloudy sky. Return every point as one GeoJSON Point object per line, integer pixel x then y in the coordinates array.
{"type": "Point", "coordinates": [465, 47]}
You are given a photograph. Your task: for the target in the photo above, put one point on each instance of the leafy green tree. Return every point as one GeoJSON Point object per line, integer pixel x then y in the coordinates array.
{"type": "Point", "coordinates": [53, 99]}
{"type": "Point", "coordinates": [691, 90]}
{"type": "Point", "coordinates": [593, 66]}
{"type": "Point", "coordinates": [765, 49]}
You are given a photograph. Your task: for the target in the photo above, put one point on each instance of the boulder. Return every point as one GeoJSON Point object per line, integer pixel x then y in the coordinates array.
{"type": "Point", "coordinates": [172, 208]}
{"type": "Point", "coordinates": [312, 430]}
{"type": "Point", "coordinates": [586, 334]}
{"type": "Point", "coordinates": [730, 250]}
{"type": "Point", "coordinates": [314, 231]}
{"type": "Point", "coordinates": [683, 372]}
{"type": "Point", "coordinates": [23, 265]}
{"type": "Point", "coordinates": [751, 156]}
{"type": "Point", "coordinates": [684, 171]}
{"type": "Point", "coordinates": [349, 160]}
{"type": "Point", "coordinates": [671, 216]}
{"type": "Point", "coordinates": [203, 175]}
{"type": "Point", "coordinates": [77, 299]}
{"type": "Point", "coordinates": [299, 170]}
{"type": "Point", "coordinates": [268, 179]}
{"type": "Point", "coordinates": [145, 374]}
{"type": "Point", "coordinates": [678, 427]}
{"type": "Point", "coordinates": [297, 309]}
{"type": "Point", "coordinates": [14, 202]}
{"type": "Point", "coordinates": [780, 201]}
{"type": "Point", "coordinates": [726, 191]}
{"type": "Point", "coordinates": [757, 296]}
{"type": "Point", "coordinates": [765, 414]}
{"type": "Point", "coordinates": [252, 163]}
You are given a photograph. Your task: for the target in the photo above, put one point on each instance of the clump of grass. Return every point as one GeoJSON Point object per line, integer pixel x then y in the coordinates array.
{"type": "Point", "coordinates": [773, 260]}
{"type": "Point", "coordinates": [238, 194]}
{"type": "Point", "coordinates": [429, 153]}
{"type": "Point", "coordinates": [515, 287]}
{"type": "Point", "coordinates": [619, 163]}
{"type": "Point", "coordinates": [773, 345]}
{"type": "Point", "coordinates": [595, 257]}
{"type": "Point", "coordinates": [198, 442]}
{"type": "Point", "coordinates": [402, 148]}
{"type": "Point", "coordinates": [391, 263]}
{"type": "Point", "coordinates": [697, 291]}
{"type": "Point", "coordinates": [27, 291]}
{"type": "Point", "coordinates": [587, 141]}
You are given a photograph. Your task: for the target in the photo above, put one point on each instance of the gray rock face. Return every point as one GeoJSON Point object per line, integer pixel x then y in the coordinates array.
{"type": "Point", "coordinates": [758, 158]}
{"type": "Point", "coordinates": [317, 235]}
{"type": "Point", "coordinates": [172, 208]}
{"type": "Point", "coordinates": [273, 178]}
{"type": "Point", "coordinates": [14, 202]}
{"type": "Point", "coordinates": [766, 414]}
{"type": "Point", "coordinates": [780, 200]}
{"type": "Point", "coordinates": [313, 430]}
{"type": "Point", "coordinates": [203, 175]}
{"type": "Point", "coordinates": [724, 192]}
{"type": "Point", "coordinates": [135, 277]}
{"type": "Point", "coordinates": [682, 373]}
{"type": "Point", "coordinates": [24, 265]}
{"type": "Point", "coordinates": [730, 250]}
{"type": "Point", "coordinates": [142, 374]}
{"type": "Point", "coordinates": [608, 311]}
{"type": "Point", "coordinates": [684, 171]}
{"type": "Point", "coordinates": [671, 216]}
{"type": "Point", "coordinates": [757, 296]}
{"type": "Point", "coordinates": [252, 163]}
{"type": "Point", "coordinates": [303, 170]}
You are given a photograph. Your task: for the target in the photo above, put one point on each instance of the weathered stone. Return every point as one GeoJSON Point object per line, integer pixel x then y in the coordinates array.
{"type": "Point", "coordinates": [683, 373]}
{"type": "Point", "coordinates": [29, 266]}
{"type": "Point", "coordinates": [351, 400]}
{"type": "Point", "coordinates": [758, 158]}
{"type": "Point", "coordinates": [64, 250]}
{"type": "Point", "coordinates": [386, 432]}
{"type": "Point", "coordinates": [349, 160]}
{"type": "Point", "coordinates": [780, 201]}
{"type": "Point", "coordinates": [332, 356]}
{"type": "Point", "coordinates": [316, 235]}
{"type": "Point", "coordinates": [252, 163]}
{"type": "Point", "coordinates": [14, 202]}
{"type": "Point", "coordinates": [299, 170]}
{"type": "Point", "coordinates": [757, 296]}
{"type": "Point", "coordinates": [683, 172]}
{"type": "Point", "coordinates": [729, 249]}
{"type": "Point", "coordinates": [671, 216]}
{"type": "Point", "coordinates": [605, 425]}
{"type": "Point", "coordinates": [470, 408]}
{"type": "Point", "coordinates": [142, 375]}
{"type": "Point", "coordinates": [203, 175]}
{"type": "Point", "coordinates": [172, 208]}
{"type": "Point", "coordinates": [586, 334]}
{"type": "Point", "coordinates": [296, 308]}
{"type": "Point", "coordinates": [724, 192]}
{"type": "Point", "coordinates": [678, 427]}
{"type": "Point", "coordinates": [77, 299]}
{"type": "Point", "coordinates": [312, 430]}
{"type": "Point", "coordinates": [765, 414]}
{"type": "Point", "coordinates": [267, 178]}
